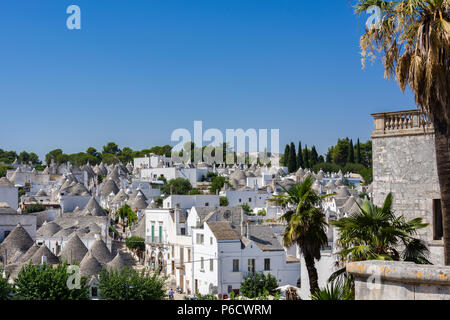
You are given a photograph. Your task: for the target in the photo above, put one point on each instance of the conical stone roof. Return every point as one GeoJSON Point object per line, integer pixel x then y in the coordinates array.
{"type": "Point", "coordinates": [89, 265]}
{"type": "Point", "coordinates": [74, 250]}
{"type": "Point", "coordinates": [93, 208]}
{"type": "Point", "coordinates": [101, 252]}
{"type": "Point", "coordinates": [48, 229]}
{"type": "Point", "coordinates": [119, 262]}
{"type": "Point", "coordinates": [44, 251]}
{"type": "Point", "coordinates": [16, 244]}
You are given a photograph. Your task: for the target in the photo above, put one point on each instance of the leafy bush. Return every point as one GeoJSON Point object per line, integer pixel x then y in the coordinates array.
{"type": "Point", "coordinates": [135, 243]}
{"type": "Point", "coordinates": [5, 288]}
{"type": "Point", "coordinates": [334, 291]}
{"type": "Point", "coordinates": [224, 201]}
{"type": "Point", "coordinates": [129, 284]}
{"type": "Point", "coordinates": [246, 208]}
{"type": "Point", "coordinates": [35, 208]}
{"type": "Point", "coordinates": [262, 212]}
{"type": "Point", "coordinates": [44, 282]}
{"type": "Point", "coordinates": [177, 186]}
{"type": "Point", "coordinates": [326, 167]}
{"type": "Point", "coordinates": [257, 284]}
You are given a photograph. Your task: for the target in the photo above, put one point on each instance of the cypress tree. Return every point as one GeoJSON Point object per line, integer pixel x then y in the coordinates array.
{"type": "Point", "coordinates": [306, 157]}
{"type": "Point", "coordinates": [351, 153]}
{"type": "Point", "coordinates": [292, 164]}
{"type": "Point", "coordinates": [314, 157]}
{"type": "Point", "coordinates": [300, 163]}
{"type": "Point", "coordinates": [358, 152]}
{"type": "Point", "coordinates": [286, 156]}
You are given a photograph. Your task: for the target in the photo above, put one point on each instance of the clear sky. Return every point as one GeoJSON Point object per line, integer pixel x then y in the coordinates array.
{"type": "Point", "coordinates": [137, 70]}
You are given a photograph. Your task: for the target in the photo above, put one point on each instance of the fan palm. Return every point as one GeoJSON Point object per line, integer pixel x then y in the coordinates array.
{"type": "Point", "coordinates": [414, 42]}
{"type": "Point", "coordinates": [306, 224]}
{"type": "Point", "coordinates": [375, 233]}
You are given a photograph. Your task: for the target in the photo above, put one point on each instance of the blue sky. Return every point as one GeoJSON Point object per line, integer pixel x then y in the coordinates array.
{"type": "Point", "coordinates": [137, 70]}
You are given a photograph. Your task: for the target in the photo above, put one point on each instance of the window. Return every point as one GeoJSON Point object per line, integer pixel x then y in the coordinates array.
{"type": "Point", "coordinates": [183, 231]}
{"type": "Point", "coordinates": [240, 200]}
{"type": "Point", "coordinates": [202, 264]}
{"type": "Point", "coordinates": [437, 218]}
{"type": "Point", "coordinates": [235, 265]}
{"type": "Point", "coordinates": [249, 199]}
{"type": "Point", "coordinates": [153, 233]}
{"type": "Point", "coordinates": [211, 265]}
{"type": "Point", "coordinates": [206, 204]}
{"type": "Point", "coordinates": [189, 255]}
{"type": "Point", "coordinates": [251, 265]}
{"type": "Point", "coordinates": [200, 238]}
{"type": "Point", "coordinates": [94, 291]}
{"type": "Point", "coordinates": [230, 288]}
{"type": "Point", "coordinates": [160, 234]}
{"type": "Point", "coordinates": [266, 264]}
{"type": "Point", "coordinates": [210, 240]}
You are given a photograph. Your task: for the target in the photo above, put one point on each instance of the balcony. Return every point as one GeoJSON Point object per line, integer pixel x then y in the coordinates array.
{"type": "Point", "coordinates": [408, 122]}
{"type": "Point", "coordinates": [154, 241]}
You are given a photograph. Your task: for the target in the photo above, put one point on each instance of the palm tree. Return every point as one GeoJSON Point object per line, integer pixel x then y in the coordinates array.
{"type": "Point", "coordinates": [306, 224]}
{"type": "Point", "coordinates": [414, 42]}
{"type": "Point", "coordinates": [375, 233]}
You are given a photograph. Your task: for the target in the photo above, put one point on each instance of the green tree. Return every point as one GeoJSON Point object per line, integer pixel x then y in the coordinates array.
{"type": "Point", "coordinates": [44, 282]}
{"type": "Point", "coordinates": [305, 224]}
{"type": "Point", "coordinates": [177, 186]}
{"type": "Point", "coordinates": [351, 153]}
{"type": "Point", "coordinates": [358, 152]}
{"type": "Point", "coordinates": [5, 288]}
{"type": "Point", "coordinates": [135, 243]}
{"type": "Point", "coordinates": [413, 41]}
{"type": "Point", "coordinates": [35, 208]}
{"type": "Point", "coordinates": [292, 163]}
{"type": "Point", "coordinates": [111, 148]}
{"type": "Point", "coordinates": [223, 201]}
{"type": "Point", "coordinates": [300, 163]}
{"type": "Point", "coordinates": [126, 215]}
{"type": "Point", "coordinates": [286, 156]}
{"type": "Point", "coordinates": [340, 152]}
{"type": "Point", "coordinates": [217, 184]}
{"type": "Point", "coordinates": [57, 155]}
{"type": "Point", "coordinates": [306, 157]}
{"type": "Point", "coordinates": [129, 284]}
{"type": "Point", "coordinates": [247, 209]}
{"type": "Point", "coordinates": [256, 284]}
{"type": "Point", "coordinates": [314, 157]}
{"type": "Point", "coordinates": [376, 233]}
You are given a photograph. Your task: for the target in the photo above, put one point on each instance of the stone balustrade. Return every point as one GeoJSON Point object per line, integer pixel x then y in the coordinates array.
{"type": "Point", "coordinates": [397, 280]}
{"type": "Point", "coordinates": [406, 122]}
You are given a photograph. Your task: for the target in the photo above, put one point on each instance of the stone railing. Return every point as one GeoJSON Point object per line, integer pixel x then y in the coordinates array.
{"type": "Point", "coordinates": [396, 280]}
{"type": "Point", "coordinates": [401, 123]}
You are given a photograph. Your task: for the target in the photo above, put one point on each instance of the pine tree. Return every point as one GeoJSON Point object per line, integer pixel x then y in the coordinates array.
{"type": "Point", "coordinates": [286, 156]}
{"type": "Point", "coordinates": [292, 164]}
{"type": "Point", "coordinates": [314, 157]}
{"type": "Point", "coordinates": [306, 157]}
{"type": "Point", "coordinates": [300, 163]}
{"type": "Point", "coordinates": [351, 153]}
{"type": "Point", "coordinates": [358, 152]}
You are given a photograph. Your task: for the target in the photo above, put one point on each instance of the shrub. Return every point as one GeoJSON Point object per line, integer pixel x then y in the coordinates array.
{"type": "Point", "coordinates": [257, 284]}
{"type": "Point", "coordinates": [129, 284]}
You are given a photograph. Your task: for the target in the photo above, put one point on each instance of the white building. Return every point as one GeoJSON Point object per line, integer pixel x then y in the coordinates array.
{"type": "Point", "coordinates": [9, 193]}
{"type": "Point", "coordinates": [189, 201]}
{"type": "Point", "coordinates": [223, 258]}
{"type": "Point", "coordinates": [9, 218]}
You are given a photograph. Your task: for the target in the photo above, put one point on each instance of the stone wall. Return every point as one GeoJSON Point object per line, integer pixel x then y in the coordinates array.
{"type": "Point", "coordinates": [404, 163]}
{"type": "Point", "coordinates": [393, 280]}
